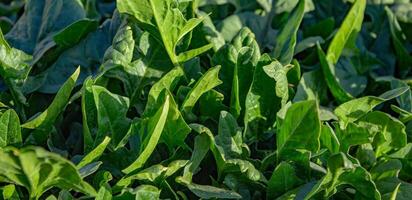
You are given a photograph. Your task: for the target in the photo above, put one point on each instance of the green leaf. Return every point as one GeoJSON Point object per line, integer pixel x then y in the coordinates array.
{"type": "Point", "coordinates": [38, 171]}
{"type": "Point", "coordinates": [176, 129]}
{"type": "Point", "coordinates": [262, 103]}
{"type": "Point", "coordinates": [104, 194]}
{"type": "Point", "coordinates": [286, 39]}
{"type": "Point", "coordinates": [164, 21]}
{"type": "Point", "coordinates": [88, 54]}
{"type": "Point", "coordinates": [353, 134]}
{"type": "Point", "coordinates": [147, 192]}
{"type": "Point", "coordinates": [14, 68]}
{"type": "Point", "coordinates": [329, 71]}
{"type": "Point", "coordinates": [34, 31]}
{"type": "Point", "coordinates": [89, 114]}
{"type": "Point", "coordinates": [155, 126]}
{"type": "Point", "coordinates": [301, 123]}
{"type": "Point", "coordinates": [391, 133]}
{"type": "Point", "coordinates": [243, 54]}
{"type": "Point", "coordinates": [311, 87]}
{"type": "Point", "coordinates": [283, 179]}
{"type": "Point", "coordinates": [404, 57]}
{"type": "Point", "coordinates": [207, 82]}
{"type": "Point", "coordinates": [154, 174]}
{"type": "Point", "coordinates": [76, 31]}
{"type": "Point", "coordinates": [346, 35]}
{"type": "Point", "coordinates": [95, 154]}
{"type": "Point", "coordinates": [278, 72]}
{"type": "Point", "coordinates": [169, 82]}
{"type": "Point", "coordinates": [341, 174]}
{"type": "Point", "coordinates": [49, 116]}
{"type": "Point", "coordinates": [10, 131]}
{"type": "Point", "coordinates": [210, 192]}
{"type": "Point", "coordinates": [357, 108]}
{"type": "Point", "coordinates": [329, 139]}
{"type": "Point", "coordinates": [111, 116]}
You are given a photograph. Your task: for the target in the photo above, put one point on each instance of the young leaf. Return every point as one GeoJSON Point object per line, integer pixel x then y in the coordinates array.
{"type": "Point", "coordinates": [48, 117]}
{"type": "Point", "coordinates": [155, 126]}
{"type": "Point", "coordinates": [207, 82]}
{"type": "Point", "coordinates": [169, 82]}
{"type": "Point", "coordinates": [283, 179]}
{"type": "Point", "coordinates": [111, 116]}
{"type": "Point", "coordinates": [14, 68]}
{"type": "Point", "coordinates": [38, 170]}
{"type": "Point", "coordinates": [262, 103]}
{"type": "Point", "coordinates": [355, 109]}
{"type": "Point", "coordinates": [341, 172]}
{"type": "Point", "coordinates": [286, 40]}
{"type": "Point", "coordinates": [10, 131]}
{"type": "Point", "coordinates": [164, 21]}
{"type": "Point", "coordinates": [344, 38]}
{"type": "Point", "coordinates": [95, 154]}
{"type": "Point", "coordinates": [301, 123]}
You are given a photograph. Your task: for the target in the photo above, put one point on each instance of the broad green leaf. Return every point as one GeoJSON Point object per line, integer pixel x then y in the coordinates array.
{"type": "Point", "coordinates": [155, 126]}
{"type": "Point", "coordinates": [229, 138]}
{"type": "Point", "coordinates": [390, 133]}
{"type": "Point", "coordinates": [176, 129]}
{"type": "Point", "coordinates": [89, 114]}
{"type": "Point", "coordinates": [211, 192]}
{"type": "Point", "coordinates": [202, 146]}
{"type": "Point", "coordinates": [248, 54]}
{"type": "Point", "coordinates": [88, 54]}
{"type": "Point", "coordinates": [111, 116]}
{"type": "Point", "coordinates": [311, 87]}
{"type": "Point", "coordinates": [186, 56]}
{"type": "Point", "coordinates": [404, 100]}
{"type": "Point", "coordinates": [329, 139]}
{"type": "Point", "coordinates": [121, 51]}
{"type": "Point", "coordinates": [164, 21]}
{"type": "Point", "coordinates": [76, 31]}
{"type": "Point", "coordinates": [207, 82]}
{"type": "Point", "coordinates": [354, 134]}
{"type": "Point", "coordinates": [49, 116]}
{"type": "Point", "coordinates": [398, 40]}
{"type": "Point", "coordinates": [168, 81]}
{"type": "Point", "coordinates": [262, 103]}
{"type": "Point", "coordinates": [355, 109]}
{"type": "Point", "coordinates": [329, 72]}
{"type": "Point", "coordinates": [386, 169]}
{"type": "Point", "coordinates": [95, 154]}
{"type": "Point", "coordinates": [238, 61]}
{"type": "Point", "coordinates": [34, 31]}
{"type": "Point", "coordinates": [200, 149]}
{"type": "Point", "coordinates": [286, 39]}
{"type": "Point", "coordinates": [14, 68]}
{"type": "Point", "coordinates": [347, 33]}
{"type": "Point", "coordinates": [147, 192]}
{"type": "Point", "coordinates": [279, 72]}
{"type": "Point", "coordinates": [38, 171]}
{"type": "Point", "coordinates": [226, 159]}
{"type": "Point", "coordinates": [104, 193]}
{"type": "Point", "coordinates": [154, 174]}
{"type": "Point", "coordinates": [343, 173]}
{"type": "Point", "coordinates": [345, 37]}
{"type": "Point", "coordinates": [283, 179]}
{"type": "Point", "coordinates": [10, 131]}
{"type": "Point", "coordinates": [301, 123]}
